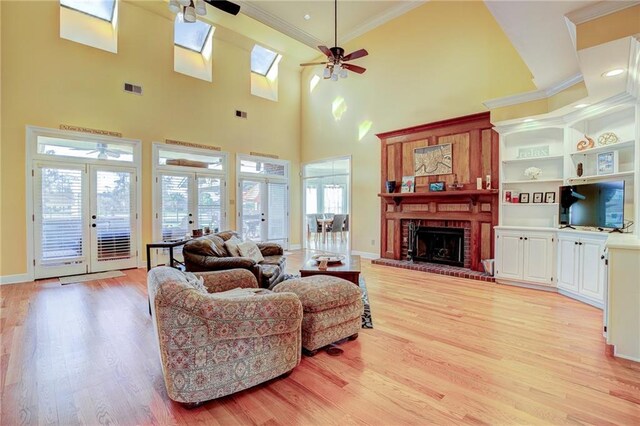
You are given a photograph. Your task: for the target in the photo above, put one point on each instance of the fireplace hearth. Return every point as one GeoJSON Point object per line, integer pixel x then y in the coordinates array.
{"type": "Point", "coordinates": [438, 245]}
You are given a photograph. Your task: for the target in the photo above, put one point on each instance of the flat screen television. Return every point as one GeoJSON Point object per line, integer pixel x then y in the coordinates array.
{"type": "Point", "coordinates": [599, 205]}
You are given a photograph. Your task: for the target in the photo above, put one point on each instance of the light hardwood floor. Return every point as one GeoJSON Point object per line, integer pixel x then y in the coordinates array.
{"type": "Point", "coordinates": [444, 350]}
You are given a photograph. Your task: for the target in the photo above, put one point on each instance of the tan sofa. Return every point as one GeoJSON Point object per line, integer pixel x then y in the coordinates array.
{"type": "Point", "coordinates": [211, 344]}
{"type": "Point", "coordinates": [208, 253]}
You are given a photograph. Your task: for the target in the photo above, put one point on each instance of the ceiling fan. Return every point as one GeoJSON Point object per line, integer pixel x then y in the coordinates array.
{"type": "Point", "coordinates": [103, 151]}
{"type": "Point", "coordinates": [191, 8]}
{"type": "Point", "coordinates": [336, 64]}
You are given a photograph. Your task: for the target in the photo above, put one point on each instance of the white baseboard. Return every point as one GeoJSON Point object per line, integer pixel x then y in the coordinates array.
{"type": "Point", "coordinates": [630, 358]}
{"type": "Point", "coordinates": [365, 254]}
{"type": "Point", "coordinates": [15, 279]}
{"type": "Point", "coordinates": [580, 298]}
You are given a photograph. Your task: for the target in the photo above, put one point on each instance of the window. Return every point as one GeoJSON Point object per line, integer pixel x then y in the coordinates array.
{"type": "Point", "coordinates": [311, 200]}
{"type": "Point", "coordinates": [85, 149]}
{"type": "Point", "coordinates": [264, 73]}
{"type": "Point", "coordinates": [193, 48]}
{"type": "Point", "coordinates": [262, 60]}
{"type": "Point", "coordinates": [192, 36]}
{"type": "Point", "coordinates": [90, 22]}
{"type": "Point", "coordinates": [263, 168]}
{"type": "Point", "coordinates": [333, 197]}
{"type": "Point", "coordinates": [173, 157]}
{"type": "Point", "coordinates": [101, 9]}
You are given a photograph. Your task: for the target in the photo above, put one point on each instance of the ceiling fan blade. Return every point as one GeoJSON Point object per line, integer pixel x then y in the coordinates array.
{"type": "Point", "coordinates": [354, 68]}
{"type": "Point", "coordinates": [313, 63]}
{"type": "Point", "coordinates": [225, 6]}
{"type": "Point", "coordinates": [326, 51]}
{"type": "Point", "coordinates": [355, 55]}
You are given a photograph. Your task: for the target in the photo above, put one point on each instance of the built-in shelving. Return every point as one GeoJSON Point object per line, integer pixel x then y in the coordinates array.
{"type": "Point", "coordinates": [529, 204]}
{"type": "Point", "coordinates": [605, 148]}
{"type": "Point", "coordinates": [601, 177]}
{"type": "Point", "coordinates": [533, 160]}
{"type": "Point", "coordinates": [518, 182]}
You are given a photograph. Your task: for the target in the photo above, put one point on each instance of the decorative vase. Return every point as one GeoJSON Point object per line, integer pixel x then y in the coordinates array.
{"type": "Point", "coordinates": [391, 186]}
{"type": "Point", "coordinates": [533, 173]}
{"type": "Point", "coordinates": [579, 170]}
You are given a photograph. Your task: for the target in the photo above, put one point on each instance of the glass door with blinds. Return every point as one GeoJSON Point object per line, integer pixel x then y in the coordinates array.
{"type": "Point", "coordinates": [263, 189]}
{"type": "Point", "coordinates": [85, 219]}
{"type": "Point", "coordinates": [189, 201]}
{"type": "Point", "coordinates": [113, 218]}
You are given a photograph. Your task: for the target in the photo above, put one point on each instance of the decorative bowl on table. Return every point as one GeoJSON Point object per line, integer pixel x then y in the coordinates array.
{"type": "Point", "coordinates": [335, 258]}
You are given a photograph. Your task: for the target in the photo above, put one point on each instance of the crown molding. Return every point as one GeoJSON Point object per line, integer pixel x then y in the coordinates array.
{"type": "Point", "coordinates": [599, 9]}
{"type": "Point", "coordinates": [382, 18]}
{"type": "Point", "coordinates": [633, 70]}
{"type": "Point", "coordinates": [252, 10]}
{"type": "Point", "coordinates": [533, 95]}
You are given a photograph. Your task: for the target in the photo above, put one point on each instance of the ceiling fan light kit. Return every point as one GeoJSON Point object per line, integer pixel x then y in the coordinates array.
{"type": "Point", "coordinates": [336, 66]}
{"type": "Point", "coordinates": [191, 9]}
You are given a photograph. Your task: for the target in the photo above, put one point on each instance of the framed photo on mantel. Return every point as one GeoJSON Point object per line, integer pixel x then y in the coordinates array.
{"type": "Point", "coordinates": [408, 184]}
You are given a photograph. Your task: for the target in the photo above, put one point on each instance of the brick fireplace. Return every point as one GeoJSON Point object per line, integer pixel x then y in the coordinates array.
{"type": "Point", "coordinates": [472, 213]}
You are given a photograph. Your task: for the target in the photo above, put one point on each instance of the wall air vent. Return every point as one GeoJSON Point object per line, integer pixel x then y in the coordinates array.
{"type": "Point", "coordinates": [241, 114]}
{"type": "Point", "coordinates": [133, 88]}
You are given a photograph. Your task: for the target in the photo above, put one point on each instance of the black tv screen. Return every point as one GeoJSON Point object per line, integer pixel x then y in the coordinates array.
{"type": "Point", "coordinates": [599, 205]}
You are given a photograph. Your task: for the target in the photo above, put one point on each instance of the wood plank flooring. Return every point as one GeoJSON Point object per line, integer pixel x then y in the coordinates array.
{"type": "Point", "coordinates": [444, 351]}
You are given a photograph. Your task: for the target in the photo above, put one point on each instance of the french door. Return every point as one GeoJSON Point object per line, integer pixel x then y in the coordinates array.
{"type": "Point", "coordinates": [264, 213]}
{"type": "Point", "coordinates": [85, 218]}
{"type": "Point", "coordinates": [189, 201]}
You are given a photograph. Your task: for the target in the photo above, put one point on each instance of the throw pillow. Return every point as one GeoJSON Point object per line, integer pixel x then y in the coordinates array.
{"type": "Point", "coordinates": [195, 281]}
{"type": "Point", "coordinates": [240, 292]}
{"type": "Point", "coordinates": [250, 249]}
{"type": "Point", "coordinates": [232, 246]}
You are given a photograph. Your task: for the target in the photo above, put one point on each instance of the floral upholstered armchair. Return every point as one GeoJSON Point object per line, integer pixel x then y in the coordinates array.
{"type": "Point", "coordinates": [218, 333]}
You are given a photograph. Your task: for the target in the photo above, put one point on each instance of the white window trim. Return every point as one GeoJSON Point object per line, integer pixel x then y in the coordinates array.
{"type": "Point", "coordinates": [157, 169]}
{"type": "Point", "coordinates": [303, 205]}
{"type": "Point", "coordinates": [264, 178]}
{"type": "Point", "coordinates": [31, 147]}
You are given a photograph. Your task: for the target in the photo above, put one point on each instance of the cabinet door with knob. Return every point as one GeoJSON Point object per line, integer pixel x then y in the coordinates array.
{"type": "Point", "coordinates": [568, 265]}
{"type": "Point", "coordinates": [538, 259]}
{"type": "Point", "coordinates": [509, 254]}
{"type": "Point", "coordinates": [592, 269]}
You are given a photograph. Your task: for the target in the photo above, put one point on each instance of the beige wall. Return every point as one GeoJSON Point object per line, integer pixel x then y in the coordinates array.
{"type": "Point", "coordinates": [440, 60]}
{"type": "Point", "coordinates": [48, 81]}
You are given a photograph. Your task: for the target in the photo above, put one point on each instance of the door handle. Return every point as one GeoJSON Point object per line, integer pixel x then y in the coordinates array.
{"type": "Point", "coordinates": [93, 225]}
{"type": "Point", "coordinates": [526, 238]}
{"type": "Point", "coordinates": [263, 220]}
{"type": "Point", "coordinates": [190, 222]}
{"type": "Point", "coordinates": [602, 257]}
{"type": "Point", "coordinates": [190, 215]}
{"type": "Point", "coordinates": [520, 237]}
{"type": "Point", "coordinates": [93, 216]}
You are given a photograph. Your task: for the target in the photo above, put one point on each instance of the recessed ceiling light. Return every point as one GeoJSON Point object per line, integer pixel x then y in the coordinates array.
{"type": "Point", "coordinates": [581, 106]}
{"type": "Point", "coordinates": [307, 17]}
{"type": "Point", "coordinates": [613, 72]}
{"type": "Point", "coordinates": [527, 120]}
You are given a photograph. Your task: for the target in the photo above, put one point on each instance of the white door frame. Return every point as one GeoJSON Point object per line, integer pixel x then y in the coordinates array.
{"type": "Point", "coordinates": [31, 139]}
{"type": "Point", "coordinates": [303, 206]}
{"type": "Point", "coordinates": [157, 170]}
{"type": "Point", "coordinates": [286, 179]}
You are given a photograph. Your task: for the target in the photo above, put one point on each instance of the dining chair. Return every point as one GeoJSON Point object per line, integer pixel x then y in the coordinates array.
{"type": "Point", "coordinates": [338, 226]}
{"type": "Point", "coordinates": [313, 226]}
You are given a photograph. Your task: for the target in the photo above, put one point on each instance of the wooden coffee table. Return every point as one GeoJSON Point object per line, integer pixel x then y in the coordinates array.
{"type": "Point", "coordinates": [349, 269]}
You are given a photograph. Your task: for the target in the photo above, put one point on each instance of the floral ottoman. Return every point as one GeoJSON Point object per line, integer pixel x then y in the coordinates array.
{"type": "Point", "coordinates": [332, 309]}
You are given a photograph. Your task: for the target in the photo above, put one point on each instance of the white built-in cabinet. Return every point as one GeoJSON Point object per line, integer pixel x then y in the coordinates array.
{"type": "Point", "coordinates": [582, 266]}
{"type": "Point", "coordinates": [530, 249]}
{"type": "Point", "coordinates": [525, 256]}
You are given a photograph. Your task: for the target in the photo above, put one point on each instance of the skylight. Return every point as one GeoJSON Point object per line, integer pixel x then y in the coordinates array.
{"type": "Point", "coordinates": [101, 9]}
{"type": "Point", "coordinates": [262, 59]}
{"type": "Point", "coordinates": [192, 36]}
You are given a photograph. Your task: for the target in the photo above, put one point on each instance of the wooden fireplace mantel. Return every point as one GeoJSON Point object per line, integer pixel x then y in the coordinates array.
{"type": "Point", "coordinates": [456, 196]}
{"type": "Point", "coordinates": [475, 155]}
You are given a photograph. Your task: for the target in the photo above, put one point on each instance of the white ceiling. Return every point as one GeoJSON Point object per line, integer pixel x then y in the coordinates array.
{"type": "Point", "coordinates": [537, 29]}
{"type": "Point", "coordinates": [355, 17]}
{"type": "Point", "coordinates": [539, 32]}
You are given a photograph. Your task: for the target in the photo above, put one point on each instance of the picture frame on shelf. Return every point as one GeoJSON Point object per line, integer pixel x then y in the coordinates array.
{"type": "Point", "coordinates": [507, 196]}
{"type": "Point", "coordinates": [515, 197]}
{"type": "Point", "coordinates": [408, 184]}
{"type": "Point", "coordinates": [524, 198]}
{"type": "Point", "coordinates": [607, 163]}
{"type": "Point", "coordinates": [437, 186]}
{"type": "Point", "coordinates": [537, 197]}
{"type": "Point", "coordinates": [550, 197]}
